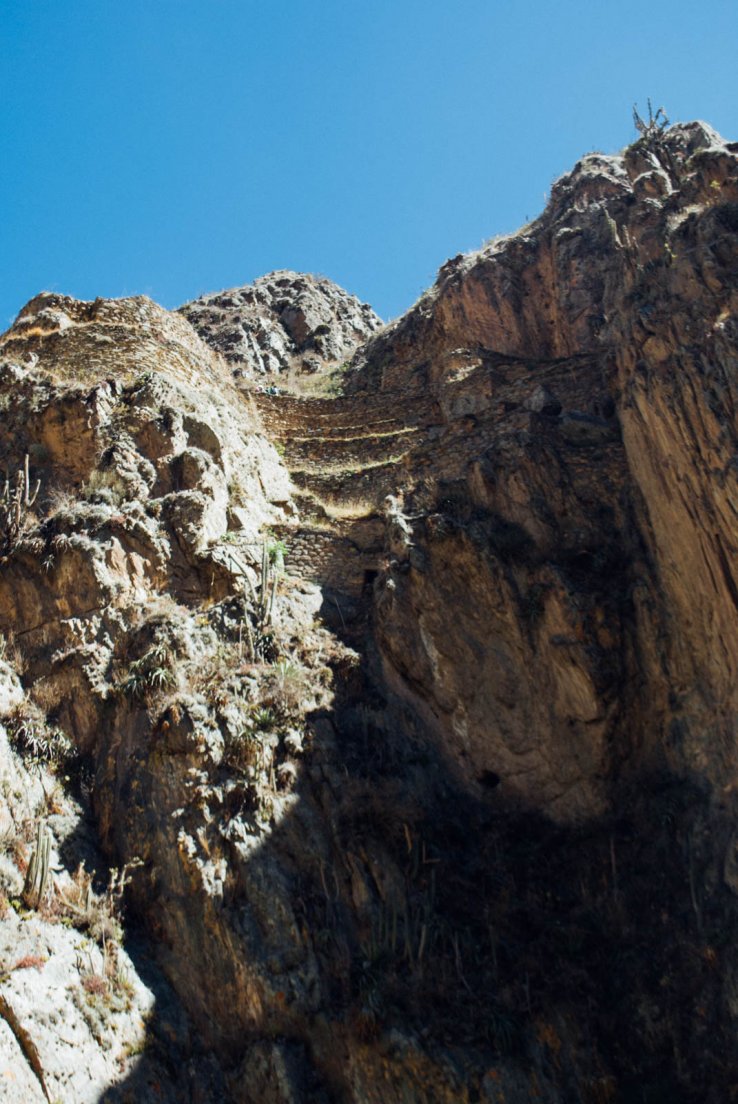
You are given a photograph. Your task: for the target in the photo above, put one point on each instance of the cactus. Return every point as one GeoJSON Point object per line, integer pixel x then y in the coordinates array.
{"type": "Point", "coordinates": [262, 602]}
{"type": "Point", "coordinates": [650, 130]}
{"type": "Point", "coordinates": [37, 875]}
{"type": "Point", "coordinates": [264, 592]}
{"type": "Point", "coordinates": [17, 500]}
{"type": "Point", "coordinates": [267, 591]}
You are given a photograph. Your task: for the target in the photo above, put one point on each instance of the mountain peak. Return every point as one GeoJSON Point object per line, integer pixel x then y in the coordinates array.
{"type": "Point", "coordinates": [284, 323]}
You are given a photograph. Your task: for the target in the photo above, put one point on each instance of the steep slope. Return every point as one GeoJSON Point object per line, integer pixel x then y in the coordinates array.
{"type": "Point", "coordinates": [590, 361]}
{"type": "Point", "coordinates": [416, 705]}
{"type": "Point", "coordinates": [528, 409]}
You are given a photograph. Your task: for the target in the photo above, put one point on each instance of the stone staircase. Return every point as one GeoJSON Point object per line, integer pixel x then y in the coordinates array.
{"type": "Point", "coordinates": [344, 456]}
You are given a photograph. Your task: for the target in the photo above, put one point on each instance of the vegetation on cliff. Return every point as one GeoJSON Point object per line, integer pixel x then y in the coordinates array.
{"type": "Point", "coordinates": [404, 720]}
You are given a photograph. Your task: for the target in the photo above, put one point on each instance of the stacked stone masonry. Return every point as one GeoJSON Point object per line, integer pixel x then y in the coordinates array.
{"type": "Point", "coordinates": [345, 455]}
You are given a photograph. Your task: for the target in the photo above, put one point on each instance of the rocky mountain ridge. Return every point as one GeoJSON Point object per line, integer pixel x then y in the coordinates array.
{"type": "Point", "coordinates": [284, 324]}
{"type": "Point", "coordinates": [408, 712]}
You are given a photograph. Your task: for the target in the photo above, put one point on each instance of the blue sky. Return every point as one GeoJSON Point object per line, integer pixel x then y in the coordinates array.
{"type": "Point", "coordinates": [174, 147]}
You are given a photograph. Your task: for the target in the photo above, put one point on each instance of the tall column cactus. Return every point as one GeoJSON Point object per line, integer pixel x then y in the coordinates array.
{"type": "Point", "coordinates": [268, 589]}
{"type": "Point", "coordinates": [37, 875]}
{"type": "Point", "coordinates": [17, 500]}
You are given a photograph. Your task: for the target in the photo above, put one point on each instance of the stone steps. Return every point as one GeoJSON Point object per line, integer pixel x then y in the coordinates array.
{"type": "Point", "coordinates": [318, 454]}
{"type": "Point", "coordinates": [344, 456]}
{"type": "Point", "coordinates": [309, 428]}
{"type": "Point", "coordinates": [311, 507]}
{"type": "Point", "coordinates": [355, 414]}
{"type": "Point", "coordinates": [366, 485]}
{"type": "Point", "coordinates": [325, 430]}
{"type": "Point", "coordinates": [314, 509]}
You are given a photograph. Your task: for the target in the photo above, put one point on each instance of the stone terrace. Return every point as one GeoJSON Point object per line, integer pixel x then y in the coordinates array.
{"type": "Point", "coordinates": [346, 454]}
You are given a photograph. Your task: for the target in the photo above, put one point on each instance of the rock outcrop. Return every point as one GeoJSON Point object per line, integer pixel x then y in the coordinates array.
{"type": "Point", "coordinates": [80, 1016]}
{"type": "Point", "coordinates": [589, 364]}
{"type": "Point", "coordinates": [409, 713]}
{"type": "Point", "coordinates": [284, 323]}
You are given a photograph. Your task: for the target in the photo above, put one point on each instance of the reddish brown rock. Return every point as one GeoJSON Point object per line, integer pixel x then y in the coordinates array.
{"type": "Point", "coordinates": [447, 811]}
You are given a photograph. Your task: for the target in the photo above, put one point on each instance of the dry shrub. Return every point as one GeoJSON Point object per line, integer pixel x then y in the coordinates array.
{"type": "Point", "coordinates": [216, 669]}
{"type": "Point", "coordinates": [105, 486]}
{"type": "Point", "coordinates": [30, 962]}
{"type": "Point", "coordinates": [95, 985]}
{"type": "Point", "coordinates": [18, 851]}
{"type": "Point", "coordinates": [60, 500]}
{"type": "Point", "coordinates": [242, 751]}
{"type": "Point", "coordinates": [100, 914]}
{"type": "Point", "coordinates": [47, 695]}
{"type": "Point", "coordinates": [287, 688]}
{"type": "Point", "coordinates": [11, 653]}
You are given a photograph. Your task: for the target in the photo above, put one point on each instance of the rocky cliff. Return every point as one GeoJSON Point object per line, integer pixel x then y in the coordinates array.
{"type": "Point", "coordinates": [398, 724]}
{"type": "Point", "coordinates": [285, 325]}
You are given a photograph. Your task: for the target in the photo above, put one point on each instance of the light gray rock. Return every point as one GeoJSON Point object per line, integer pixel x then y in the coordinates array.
{"type": "Point", "coordinates": [17, 1080]}
{"type": "Point", "coordinates": [285, 321]}
{"type": "Point", "coordinates": [79, 1039]}
{"type": "Point", "coordinates": [11, 691]}
{"type": "Point", "coordinates": [543, 401]}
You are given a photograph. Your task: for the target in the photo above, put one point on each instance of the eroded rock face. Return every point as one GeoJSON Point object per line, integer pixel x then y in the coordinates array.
{"type": "Point", "coordinates": [142, 498]}
{"type": "Point", "coordinates": [79, 1017]}
{"type": "Point", "coordinates": [119, 338]}
{"type": "Point", "coordinates": [553, 289]}
{"type": "Point", "coordinates": [590, 360]}
{"type": "Point", "coordinates": [445, 810]}
{"type": "Point", "coordinates": [286, 322]}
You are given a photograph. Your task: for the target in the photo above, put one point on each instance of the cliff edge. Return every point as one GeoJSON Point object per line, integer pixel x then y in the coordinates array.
{"type": "Point", "coordinates": [403, 716]}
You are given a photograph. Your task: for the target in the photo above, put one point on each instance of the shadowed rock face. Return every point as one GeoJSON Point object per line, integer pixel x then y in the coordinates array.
{"type": "Point", "coordinates": [286, 322]}
{"type": "Point", "coordinates": [589, 363]}
{"type": "Point", "coordinates": [445, 811]}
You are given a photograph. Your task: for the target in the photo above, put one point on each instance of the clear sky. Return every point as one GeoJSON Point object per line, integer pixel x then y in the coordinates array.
{"type": "Point", "coordinates": [174, 147]}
